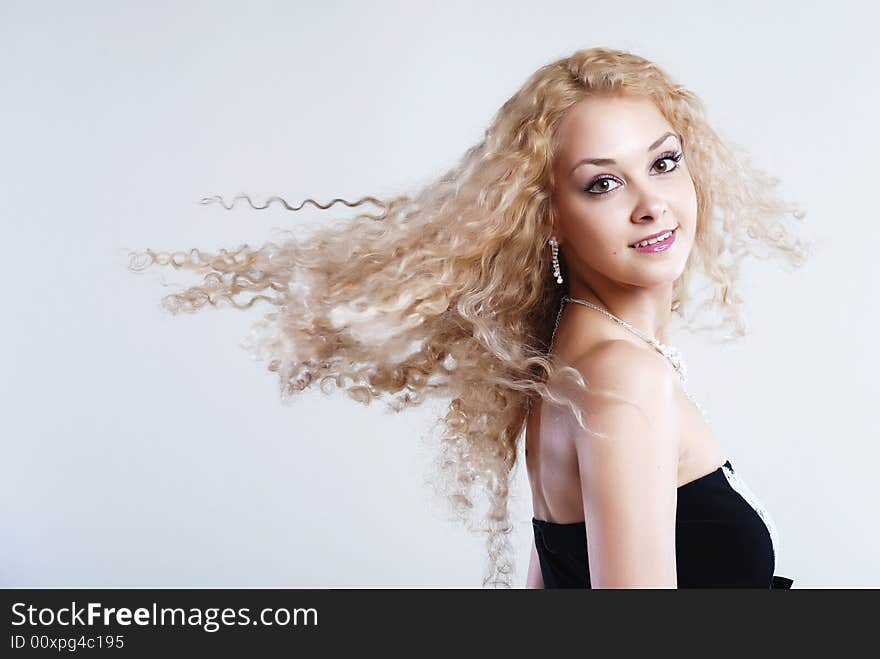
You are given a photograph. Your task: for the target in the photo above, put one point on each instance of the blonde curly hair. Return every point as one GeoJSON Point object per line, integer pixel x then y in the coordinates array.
{"type": "Point", "coordinates": [456, 279]}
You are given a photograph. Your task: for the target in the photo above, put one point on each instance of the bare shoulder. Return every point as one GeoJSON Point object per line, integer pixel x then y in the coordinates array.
{"type": "Point", "coordinates": [618, 373]}
{"type": "Point", "coordinates": [620, 364]}
{"type": "Point", "coordinates": [633, 423]}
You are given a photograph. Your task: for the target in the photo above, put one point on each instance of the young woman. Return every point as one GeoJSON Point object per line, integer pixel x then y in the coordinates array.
{"type": "Point", "coordinates": [662, 505]}
{"type": "Point", "coordinates": [532, 287]}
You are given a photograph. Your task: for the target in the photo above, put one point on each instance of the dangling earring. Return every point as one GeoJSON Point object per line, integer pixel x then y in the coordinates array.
{"type": "Point", "coordinates": [554, 247]}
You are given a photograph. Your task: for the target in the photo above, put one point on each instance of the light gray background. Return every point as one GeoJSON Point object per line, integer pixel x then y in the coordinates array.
{"type": "Point", "coordinates": [140, 449]}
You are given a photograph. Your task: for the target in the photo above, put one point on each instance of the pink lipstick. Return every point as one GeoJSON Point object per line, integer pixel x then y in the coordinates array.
{"type": "Point", "coordinates": [660, 246]}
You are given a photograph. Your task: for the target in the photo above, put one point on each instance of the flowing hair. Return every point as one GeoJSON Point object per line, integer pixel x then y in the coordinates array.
{"type": "Point", "coordinates": [448, 293]}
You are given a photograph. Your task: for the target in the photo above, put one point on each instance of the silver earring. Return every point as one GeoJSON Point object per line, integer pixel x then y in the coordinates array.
{"type": "Point", "coordinates": [554, 247]}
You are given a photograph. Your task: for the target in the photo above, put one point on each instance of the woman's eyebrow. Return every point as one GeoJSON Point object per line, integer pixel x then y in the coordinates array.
{"type": "Point", "coordinates": [611, 161]}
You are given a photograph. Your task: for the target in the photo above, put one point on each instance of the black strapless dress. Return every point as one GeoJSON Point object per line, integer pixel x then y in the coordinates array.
{"type": "Point", "coordinates": [723, 539]}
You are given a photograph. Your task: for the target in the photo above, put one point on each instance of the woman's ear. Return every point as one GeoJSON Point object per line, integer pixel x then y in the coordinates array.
{"type": "Point", "coordinates": [555, 225]}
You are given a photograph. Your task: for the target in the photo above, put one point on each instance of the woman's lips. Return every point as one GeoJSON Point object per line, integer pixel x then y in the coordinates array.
{"type": "Point", "coordinates": [661, 246]}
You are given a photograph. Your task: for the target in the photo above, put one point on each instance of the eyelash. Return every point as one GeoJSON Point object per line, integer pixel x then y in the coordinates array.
{"type": "Point", "coordinates": [675, 156]}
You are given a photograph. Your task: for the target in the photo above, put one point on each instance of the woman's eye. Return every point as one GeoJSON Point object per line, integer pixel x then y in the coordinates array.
{"type": "Point", "coordinates": [605, 181]}
{"type": "Point", "coordinates": [674, 157]}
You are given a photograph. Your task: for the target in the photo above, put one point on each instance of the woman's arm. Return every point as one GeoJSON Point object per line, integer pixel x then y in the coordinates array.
{"type": "Point", "coordinates": [629, 476]}
{"type": "Point", "coordinates": [534, 579]}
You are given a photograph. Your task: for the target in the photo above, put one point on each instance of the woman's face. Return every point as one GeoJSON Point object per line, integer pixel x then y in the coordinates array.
{"type": "Point", "coordinates": [640, 190]}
